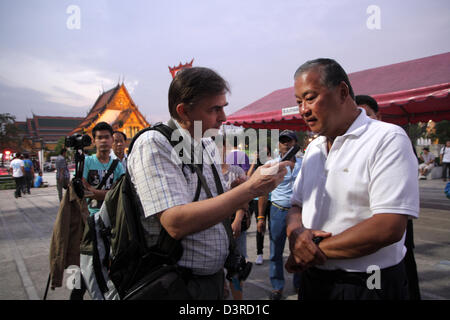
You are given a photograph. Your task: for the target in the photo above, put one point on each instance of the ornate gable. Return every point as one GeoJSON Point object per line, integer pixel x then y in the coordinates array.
{"type": "Point", "coordinates": [117, 108]}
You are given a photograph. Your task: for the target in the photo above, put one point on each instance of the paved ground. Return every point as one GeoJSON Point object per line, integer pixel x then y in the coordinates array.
{"type": "Point", "coordinates": [26, 226]}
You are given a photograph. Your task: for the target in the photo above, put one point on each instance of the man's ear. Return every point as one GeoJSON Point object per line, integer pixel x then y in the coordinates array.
{"type": "Point", "coordinates": [344, 91]}
{"type": "Point", "coordinates": [182, 111]}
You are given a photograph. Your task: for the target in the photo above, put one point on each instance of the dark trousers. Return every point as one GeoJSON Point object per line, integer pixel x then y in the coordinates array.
{"type": "Point", "coordinates": [410, 263]}
{"type": "Point", "coordinates": [316, 284]}
{"type": "Point", "coordinates": [445, 169]}
{"type": "Point", "coordinates": [78, 294]}
{"type": "Point", "coordinates": [253, 208]}
{"type": "Point", "coordinates": [19, 185]}
{"type": "Point", "coordinates": [28, 182]}
{"type": "Point", "coordinates": [207, 287]}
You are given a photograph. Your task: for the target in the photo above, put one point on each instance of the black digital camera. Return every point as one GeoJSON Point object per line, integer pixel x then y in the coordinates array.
{"type": "Point", "coordinates": [237, 265]}
{"type": "Point", "coordinates": [77, 141]}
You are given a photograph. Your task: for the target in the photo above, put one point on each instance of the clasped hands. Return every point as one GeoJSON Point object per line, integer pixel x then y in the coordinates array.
{"type": "Point", "coordinates": [304, 253]}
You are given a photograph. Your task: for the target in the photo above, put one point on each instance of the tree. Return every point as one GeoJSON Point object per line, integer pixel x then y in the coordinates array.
{"type": "Point", "coordinates": [415, 131]}
{"type": "Point", "coordinates": [8, 132]}
{"type": "Point", "coordinates": [441, 131]}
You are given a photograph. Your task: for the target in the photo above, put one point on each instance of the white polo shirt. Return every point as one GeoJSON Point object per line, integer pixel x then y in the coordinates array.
{"type": "Point", "coordinates": [369, 170]}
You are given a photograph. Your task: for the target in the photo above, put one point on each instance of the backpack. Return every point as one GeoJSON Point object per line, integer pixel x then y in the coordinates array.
{"type": "Point", "coordinates": [115, 261]}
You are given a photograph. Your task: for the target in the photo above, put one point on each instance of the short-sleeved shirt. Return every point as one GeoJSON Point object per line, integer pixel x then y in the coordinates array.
{"type": "Point", "coordinates": [163, 182]}
{"type": "Point", "coordinates": [428, 157]}
{"type": "Point", "coordinates": [16, 165]}
{"type": "Point", "coordinates": [369, 170]}
{"type": "Point", "coordinates": [28, 165]}
{"type": "Point", "coordinates": [38, 182]}
{"type": "Point", "coordinates": [445, 152]}
{"type": "Point", "coordinates": [282, 194]}
{"type": "Point", "coordinates": [93, 173]}
{"type": "Point", "coordinates": [61, 165]}
{"type": "Point", "coordinates": [123, 161]}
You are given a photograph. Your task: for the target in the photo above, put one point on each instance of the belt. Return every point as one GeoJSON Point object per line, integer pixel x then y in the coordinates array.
{"type": "Point", "coordinates": [357, 278]}
{"type": "Point", "coordinates": [280, 207]}
{"type": "Point", "coordinates": [211, 276]}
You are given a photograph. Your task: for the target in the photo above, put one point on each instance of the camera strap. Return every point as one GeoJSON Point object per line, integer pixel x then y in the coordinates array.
{"type": "Point", "coordinates": [227, 222]}
{"type": "Point", "coordinates": [108, 174]}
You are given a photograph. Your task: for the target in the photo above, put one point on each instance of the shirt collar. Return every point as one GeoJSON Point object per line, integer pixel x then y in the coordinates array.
{"type": "Point", "coordinates": [356, 129]}
{"type": "Point", "coordinates": [198, 144]}
{"type": "Point", "coordinates": [359, 125]}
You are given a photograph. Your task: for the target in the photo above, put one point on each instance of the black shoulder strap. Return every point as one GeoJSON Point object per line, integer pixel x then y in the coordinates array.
{"type": "Point", "coordinates": [165, 130]}
{"type": "Point", "coordinates": [108, 173]}
{"type": "Point", "coordinates": [227, 222]}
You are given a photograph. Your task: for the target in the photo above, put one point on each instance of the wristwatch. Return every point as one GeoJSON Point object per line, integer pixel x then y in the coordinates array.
{"type": "Point", "coordinates": [317, 240]}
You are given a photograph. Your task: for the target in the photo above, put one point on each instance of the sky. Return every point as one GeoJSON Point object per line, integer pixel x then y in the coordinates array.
{"type": "Point", "coordinates": [57, 56]}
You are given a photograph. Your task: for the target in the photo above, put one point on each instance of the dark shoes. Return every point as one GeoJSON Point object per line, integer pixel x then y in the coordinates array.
{"type": "Point", "coordinates": [276, 295]}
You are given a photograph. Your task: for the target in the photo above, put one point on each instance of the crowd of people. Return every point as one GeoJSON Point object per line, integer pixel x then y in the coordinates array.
{"type": "Point", "coordinates": [26, 174]}
{"type": "Point", "coordinates": [344, 207]}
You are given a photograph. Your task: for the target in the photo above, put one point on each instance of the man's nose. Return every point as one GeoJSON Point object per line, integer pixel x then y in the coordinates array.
{"type": "Point", "coordinates": [222, 116]}
{"type": "Point", "coordinates": [304, 110]}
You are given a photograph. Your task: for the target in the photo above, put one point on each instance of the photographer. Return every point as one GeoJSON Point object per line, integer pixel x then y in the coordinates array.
{"type": "Point", "coordinates": [62, 173]}
{"type": "Point", "coordinates": [97, 166]}
{"type": "Point", "coordinates": [166, 187]}
{"type": "Point", "coordinates": [99, 173]}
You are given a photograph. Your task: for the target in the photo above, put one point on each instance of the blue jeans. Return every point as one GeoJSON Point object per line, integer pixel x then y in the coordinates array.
{"type": "Point", "coordinates": [277, 229]}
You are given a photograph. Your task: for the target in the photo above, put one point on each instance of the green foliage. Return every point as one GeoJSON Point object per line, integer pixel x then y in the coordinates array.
{"type": "Point", "coordinates": [416, 131]}
{"type": "Point", "coordinates": [442, 131]}
{"type": "Point", "coordinates": [8, 132]}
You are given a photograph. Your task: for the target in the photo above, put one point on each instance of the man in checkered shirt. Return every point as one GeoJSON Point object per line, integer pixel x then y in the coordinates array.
{"type": "Point", "coordinates": [166, 188]}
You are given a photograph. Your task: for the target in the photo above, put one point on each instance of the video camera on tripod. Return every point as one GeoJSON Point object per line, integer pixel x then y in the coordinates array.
{"type": "Point", "coordinates": [78, 142]}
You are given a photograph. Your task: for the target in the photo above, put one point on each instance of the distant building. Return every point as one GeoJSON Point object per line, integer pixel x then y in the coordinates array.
{"type": "Point", "coordinates": [43, 132]}
{"type": "Point", "coordinates": [115, 107]}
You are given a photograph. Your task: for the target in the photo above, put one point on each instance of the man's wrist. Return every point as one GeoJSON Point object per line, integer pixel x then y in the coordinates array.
{"type": "Point", "coordinates": [294, 232]}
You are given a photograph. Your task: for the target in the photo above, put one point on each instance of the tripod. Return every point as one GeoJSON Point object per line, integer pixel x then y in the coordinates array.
{"type": "Point", "coordinates": [77, 184]}
{"type": "Point", "coordinates": [79, 165]}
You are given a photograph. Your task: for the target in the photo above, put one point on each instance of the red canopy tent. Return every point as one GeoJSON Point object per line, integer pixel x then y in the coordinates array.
{"type": "Point", "coordinates": [406, 92]}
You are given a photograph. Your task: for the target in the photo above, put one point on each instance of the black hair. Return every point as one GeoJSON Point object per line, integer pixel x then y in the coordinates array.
{"type": "Point", "coordinates": [122, 133]}
{"type": "Point", "coordinates": [191, 85]}
{"type": "Point", "coordinates": [62, 151]}
{"type": "Point", "coordinates": [26, 155]}
{"type": "Point", "coordinates": [100, 127]}
{"type": "Point", "coordinates": [367, 100]}
{"type": "Point", "coordinates": [332, 73]}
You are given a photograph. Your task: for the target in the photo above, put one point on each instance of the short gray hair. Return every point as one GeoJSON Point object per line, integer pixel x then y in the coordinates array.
{"type": "Point", "coordinates": [332, 74]}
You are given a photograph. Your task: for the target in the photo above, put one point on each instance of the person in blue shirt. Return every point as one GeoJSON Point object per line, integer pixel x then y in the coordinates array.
{"type": "Point", "coordinates": [96, 166]}
{"type": "Point", "coordinates": [279, 206]}
{"type": "Point", "coordinates": [29, 173]}
{"type": "Point", "coordinates": [38, 182]}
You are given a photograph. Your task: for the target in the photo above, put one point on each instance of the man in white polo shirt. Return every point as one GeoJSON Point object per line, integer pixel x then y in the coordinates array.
{"type": "Point", "coordinates": [353, 196]}
{"type": "Point", "coordinates": [17, 169]}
